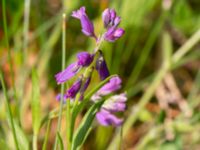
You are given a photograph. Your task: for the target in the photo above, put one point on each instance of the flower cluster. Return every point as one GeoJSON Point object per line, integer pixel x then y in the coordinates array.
{"type": "Point", "coordinates": [89, 62]}
{"type": "Point", "coordinates": [110, 20]}
{"type": "Point", "coordinates": [113, 104]}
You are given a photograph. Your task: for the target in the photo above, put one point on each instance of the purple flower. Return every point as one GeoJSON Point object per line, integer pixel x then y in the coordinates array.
{"type": "Point", "coordinates": [85, 86]}
{"type": "Point", "coordinates": [113, 85]}
{"type": "Point", "coordinates": [110, 19]}
{"type": "Point", "coordinates": [68, 73]}
{"type": "Point", "coordinates": [105, 118]}
{"type": "Point", "coordinates": [102, 68]}
{"type": "Point", "coordinates": [116, 103]}
{"type": "Point", "coordinates": [84, 59]}
{"type": "Point", "coordinates": [58, 97]}
{"type": "Point", "coordinates": [113, 34]}
{"type": "Point", "coordinates": [74, 89]}
{"type": "Point", "coordinates": [86, 24]}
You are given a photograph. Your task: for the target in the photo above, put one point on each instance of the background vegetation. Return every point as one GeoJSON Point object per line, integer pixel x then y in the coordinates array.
{"type": "Point", "coordinates": [157, 58]}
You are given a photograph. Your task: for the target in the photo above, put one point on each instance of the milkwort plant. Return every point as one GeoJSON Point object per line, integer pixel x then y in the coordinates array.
{"type": "Point", "coordinates": [103, 103]}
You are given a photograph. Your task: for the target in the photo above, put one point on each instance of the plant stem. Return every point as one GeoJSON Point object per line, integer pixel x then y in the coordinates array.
{"type": "Point", "coordinates": [186, 47]}
{"type": "Point", "coordinates": [69, 130]}
{"type": "Point", "coordinates": [26, 28]}
{"type": "Point", "coordinates": [62, 85]}
{"type": "Point", "coordinates": [34, 142]}
{"type": "Point", "coordinates": [44, 147]}
{"type": "Point", "coordinates": [10, 116]}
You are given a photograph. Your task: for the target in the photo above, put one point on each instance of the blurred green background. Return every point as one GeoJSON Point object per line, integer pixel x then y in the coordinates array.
{"type": "Point", "coordinates": [168, 103]}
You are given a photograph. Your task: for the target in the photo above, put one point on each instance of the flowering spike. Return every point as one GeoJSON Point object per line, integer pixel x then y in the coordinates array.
{"type": "Point", "coordinates": [86, 24]}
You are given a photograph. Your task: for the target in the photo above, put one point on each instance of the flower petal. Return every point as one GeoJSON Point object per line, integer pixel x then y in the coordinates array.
{"type": "Point", "coordinates": [102, 68]}
{"type": "Point", "coordinates": [84, 58]}
{"type": "Point", "coordinates": [74, 89]}
{"type": "Point", "coordinates": [80, 12]}
{"type": "Point", "coordinates": [105, 118]}
{"type": "Point", "coordinates": [113, 34]}
{"type": "Point", "coordinates": [87, 26]}
{"type": "Point", "coordinates": [116, 103]}
{"type": "Point", "coordinates": [68, 73]}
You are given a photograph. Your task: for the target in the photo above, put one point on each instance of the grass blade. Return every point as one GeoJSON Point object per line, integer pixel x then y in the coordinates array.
{"type": "Point", "coordinates": [35, 105]}
{"type": "Point", "coordinates": [60, 141]}
{"type": "Point", "coordinates": [10, 116]}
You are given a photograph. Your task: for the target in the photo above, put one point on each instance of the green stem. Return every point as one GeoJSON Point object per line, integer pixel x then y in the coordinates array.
{"type": "Point", "coordinates": [10, 116]}
{"type": "Point", "coordinates": [69, 130]}
{"type": "Point", "coordinates": [62, 85]}
{"type": "Point", "coordinates": [34, 142]}
{"type": "Point", "coordinates": [26, 28]}
{"type": "Point", "coordinates": [186, 47]}
{"type": "Point", "coordinates": [44, 147]}
{"type": "Point", "coordinates": [87, 74]}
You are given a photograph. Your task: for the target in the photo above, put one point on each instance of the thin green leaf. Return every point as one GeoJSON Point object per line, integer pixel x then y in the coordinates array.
{"type": "Point", "coordinates": [35, 103]}
{"type": "Point", "coordinates": [9, 112]}
{"type": "Point", "coordinates": [84, 128]}
{"type": "Point", "coordinates": [21, 137]}
{"type": "Point", "coordinates": [60, 141]}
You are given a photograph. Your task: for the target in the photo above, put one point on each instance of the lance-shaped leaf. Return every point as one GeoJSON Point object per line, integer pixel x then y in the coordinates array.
{"type": "Point", "coordinates": [35, 103]}
{"type": "Point", "coordinates": [85, 126]}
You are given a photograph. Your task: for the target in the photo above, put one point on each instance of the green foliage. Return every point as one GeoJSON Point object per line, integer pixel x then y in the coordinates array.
{"type": "Point", "coordinates": [85, 126]}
